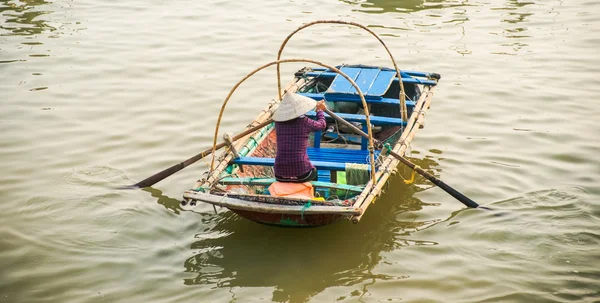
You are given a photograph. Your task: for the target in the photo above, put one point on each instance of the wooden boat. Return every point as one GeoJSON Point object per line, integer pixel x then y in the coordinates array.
{"type": "Point", "coordinates": [351, 171]}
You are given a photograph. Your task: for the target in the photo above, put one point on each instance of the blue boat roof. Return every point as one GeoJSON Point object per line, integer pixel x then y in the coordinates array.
{"type": "Point", "coordinates": [373, 81]}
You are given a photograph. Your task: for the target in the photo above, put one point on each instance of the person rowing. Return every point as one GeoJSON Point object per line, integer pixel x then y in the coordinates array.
{"type": "Point", "coordinates": [293, 129]}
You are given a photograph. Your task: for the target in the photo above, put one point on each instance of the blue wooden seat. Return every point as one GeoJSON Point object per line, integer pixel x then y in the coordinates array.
{"type": "Point", "coordinates": [324, 159]}
{"type": "Point", "coordinates": [321, 165]}
{"type": "Point", "coordinates": [335, 97]}
{"type": "Point", "coordinates": [375, 120]}
{"type": "Point", "coordinates": [340, 155]}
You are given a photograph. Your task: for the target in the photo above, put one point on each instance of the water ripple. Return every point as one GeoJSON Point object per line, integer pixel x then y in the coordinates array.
{"type": "Point", "coordinates": [97, 95]}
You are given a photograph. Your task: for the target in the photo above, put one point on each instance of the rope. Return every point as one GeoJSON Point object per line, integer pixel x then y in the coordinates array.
{"type": "Point", "coordinates": [202, 189]}
{"type": "Point", "coordinates": [379, 161]}
{"type": "Point", "coordinates": [340, 135]}
{"type": "Point", "coordinates": [252, 139]}
{"type": "Point", "coordinates": [217, 180]}
{"type": "Point", "coordinates": [305, 207]}
{"type": "Point", "coordinates": [204, 177]}
{"type": "Point", "coordinates": [206, 162]}
{"type": "Point", "coordinates": [387, 147]}
{"type": "Point", "coordinates": [220, 201]}
{"type": "Point", "coordinates": [412, 177]}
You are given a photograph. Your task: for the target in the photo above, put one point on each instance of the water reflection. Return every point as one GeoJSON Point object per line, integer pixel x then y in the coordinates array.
{"type": "Point", "coordinates": [301, 263]}
{"type": "Point", "coordinates": [405, 6]}
{"type": "Point", "coordinates": [513, 14]}
{"type": "Point", "coordinates": [22, 18]}
{"type": "Point", "coordinates": [515, 17]}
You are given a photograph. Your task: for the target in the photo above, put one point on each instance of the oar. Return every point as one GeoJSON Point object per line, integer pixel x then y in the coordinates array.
{"type": "Point", "coordinates": [447, 188]}
{"type": "Point", "coordinates": [177, 167]}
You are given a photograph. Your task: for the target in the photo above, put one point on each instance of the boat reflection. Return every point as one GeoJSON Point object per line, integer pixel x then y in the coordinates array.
{"type": "Point", "coordinates": [166, 201]}
{"type": "Point", "coordinates": [23, 18]}
{"type": "Point", "coordinates": [511, 15]}
{"type": "Point", "coordinates": [514, 15]}
{"type": "Point", "coordinates": [299, 263]}
{"type": "Point", "coordinates": [406, 6]}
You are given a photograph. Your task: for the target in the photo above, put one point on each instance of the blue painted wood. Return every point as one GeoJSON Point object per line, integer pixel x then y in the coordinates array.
{"type": "Point", "coordinates": [355, 98]}
{"type": "Point", "coordinates": [317, 141]}
{"type": "Point", "coordinates": [415, 73]}
{"type": "Point", "coordinates": [382, 83]}
{"type": "Point", "coordinates": [324, 175]}
{"type": "Point", "coordinates": [415, 81]}
{"type": "Point", "coordinates": [346, 97]}
{"type": "Point", "coordinates": [271, 161]}
{"type": "Point", "coordinates": [321, 158]}
{"type": "Point", "coordinates": [375, 120]}
{"type": "Point", "coordinates": [340, 84]}
{"type": "Point", "coordinates": [326, 73]}
{"type": "Point", "coordinates": [410, 80]}
{"type": "Point", "coordinates": [340, 155]}
{"type": "Point", "coordinates": [364, 142]}
{"type": "Point", "coordinates": [315, 96]}
{"type": "Point", "coordinates": [365, 80]}
{"type": "Point", "coordinates": [405, 72]}
{"type": "Point", "coordinates": [269, 181]}
{"type": "Point", "coordinates": [247, 181]}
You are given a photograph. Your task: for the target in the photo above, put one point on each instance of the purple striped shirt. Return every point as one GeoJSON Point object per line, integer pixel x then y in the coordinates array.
{"type": "Point", "coordinates": [292, 140]}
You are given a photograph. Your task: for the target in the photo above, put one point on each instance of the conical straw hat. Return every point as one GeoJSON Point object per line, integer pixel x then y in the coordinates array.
{"type": "Point", "coordinates": [293, 106]}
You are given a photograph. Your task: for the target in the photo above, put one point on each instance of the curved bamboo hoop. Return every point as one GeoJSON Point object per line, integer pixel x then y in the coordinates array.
{"type": "Point", "coordinates": [362, 98]}
{"type": "Point", "coordinates": [402, 97]}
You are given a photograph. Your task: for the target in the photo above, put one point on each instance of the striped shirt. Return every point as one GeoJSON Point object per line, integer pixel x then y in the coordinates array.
{"type": "Point", "coordinates": [292, 140]}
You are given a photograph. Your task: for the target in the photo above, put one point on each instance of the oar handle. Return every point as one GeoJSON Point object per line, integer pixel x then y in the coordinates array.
{"type": "Point", "coordinates": [177, 167]}
{"type": "Point", "coordinates": [447, 188]}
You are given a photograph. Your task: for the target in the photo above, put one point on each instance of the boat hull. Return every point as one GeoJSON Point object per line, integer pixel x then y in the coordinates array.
{"type": "Point", "coordinates": [289, 220]}
{"type": "Point", "coordinates": [288, 212]}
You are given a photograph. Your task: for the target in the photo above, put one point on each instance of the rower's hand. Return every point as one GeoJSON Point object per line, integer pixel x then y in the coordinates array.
{"type": "Point", "coordinates": [321, 105]}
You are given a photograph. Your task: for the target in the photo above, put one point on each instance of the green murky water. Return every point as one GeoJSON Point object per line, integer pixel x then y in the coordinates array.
{"type": "Point", "coordinates": [97, 94]}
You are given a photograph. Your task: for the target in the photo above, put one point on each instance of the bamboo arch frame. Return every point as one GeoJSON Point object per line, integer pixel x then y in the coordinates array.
{"type": "Point", "coordinates": [362, 98]}
{"type": "Point", "coordinates": [403, 109]}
